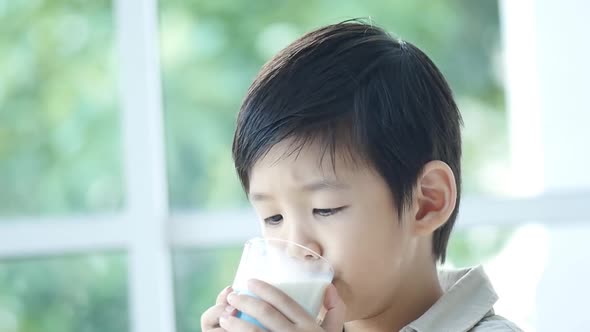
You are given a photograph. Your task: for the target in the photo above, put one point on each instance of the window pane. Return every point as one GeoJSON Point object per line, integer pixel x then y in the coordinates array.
{"type": "Point", "coordinates": [199, 276]}
{"type": "Point", "coordinates": [59, 127]}
{"type": "Point", "coordinates": [64, 294]}
{"type": "Point", "coordinates": [211, 51]}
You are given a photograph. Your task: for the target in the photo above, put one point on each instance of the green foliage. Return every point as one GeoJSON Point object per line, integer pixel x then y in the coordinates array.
{"type": "Point", "coordinates": [77, 293]}
{"type": "Point", "coordinates": [469, 247]}
{"type": "Point", "coordinates": [59, 129]}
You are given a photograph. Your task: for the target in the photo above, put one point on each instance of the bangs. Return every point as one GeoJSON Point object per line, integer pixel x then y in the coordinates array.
{"type": "Point", "coordinates": [339, 141]}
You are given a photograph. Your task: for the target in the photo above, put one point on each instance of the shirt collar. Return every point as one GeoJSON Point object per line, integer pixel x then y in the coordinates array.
{"type": "Point", "coordinates": [469, 297]}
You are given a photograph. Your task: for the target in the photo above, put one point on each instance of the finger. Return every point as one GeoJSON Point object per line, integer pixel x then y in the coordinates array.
{"type": "Point", "coordinates": [260, 310]}
{"type": "Point", "coordinates": [281, 301]}
{"type": "Point", "coordinates": [222, 297]}
{"type": "Point", "coordinates": [217, 329]}
{"type": "Point", "coordinates": [335, 310]}
{"type": "Point", "coordinates": [231, 323]}
{"type": "Point", "coordinates": [210, 318]}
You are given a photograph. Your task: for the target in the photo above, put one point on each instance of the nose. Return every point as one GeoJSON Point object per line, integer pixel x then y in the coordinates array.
{"type": "Point", "coordinates": [309, 250]}
{"type": "Point", "coordinates": [301, 232]}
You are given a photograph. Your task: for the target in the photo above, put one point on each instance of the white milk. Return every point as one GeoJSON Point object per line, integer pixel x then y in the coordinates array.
{"type": "Point", "coordinates": [308, 293]}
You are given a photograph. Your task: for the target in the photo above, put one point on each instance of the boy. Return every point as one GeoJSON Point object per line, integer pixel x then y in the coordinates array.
{"type": "Point", "coordinates": [348, 142]}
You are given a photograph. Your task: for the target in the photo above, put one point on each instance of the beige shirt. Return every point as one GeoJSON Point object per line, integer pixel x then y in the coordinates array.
{"type": "Point", "coordinates": [467, 305]}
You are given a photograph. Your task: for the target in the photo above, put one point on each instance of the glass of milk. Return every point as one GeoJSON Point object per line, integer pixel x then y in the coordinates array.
{"type": "Point", "coordinates": [298, 271]}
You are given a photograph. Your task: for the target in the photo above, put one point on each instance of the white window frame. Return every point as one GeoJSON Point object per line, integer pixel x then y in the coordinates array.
{"type": "Point", "coordinates": [147, 231]}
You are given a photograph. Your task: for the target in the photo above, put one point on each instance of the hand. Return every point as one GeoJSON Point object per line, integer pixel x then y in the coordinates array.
{"type": "Point", "coordinates": [276, 311]}
{"type": "Point", "coordinates": [210, 318]}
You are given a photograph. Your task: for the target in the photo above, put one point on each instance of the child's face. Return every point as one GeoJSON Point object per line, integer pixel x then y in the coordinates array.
{"type": "Point", "coordinates": [349, 217]}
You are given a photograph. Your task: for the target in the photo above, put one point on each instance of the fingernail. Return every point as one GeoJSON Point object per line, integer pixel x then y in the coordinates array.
{"type": "Point", "coordinates": [231, 296]}
{"type": "Point", "coordinates": [222, 321]}
{"type": "Point", "coordinates": [229, 309]}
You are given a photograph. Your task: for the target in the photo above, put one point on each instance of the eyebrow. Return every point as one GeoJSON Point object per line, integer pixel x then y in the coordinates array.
{"type": "Point", "coordinates": [324, 184]}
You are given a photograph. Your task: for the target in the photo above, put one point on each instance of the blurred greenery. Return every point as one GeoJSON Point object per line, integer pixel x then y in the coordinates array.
{"type": "Point", "coordinates": [59, 127]}
{"type": "Point", "coordinates": [476, 245]}
{"type": "Point", "coordinates": [60, 141]}
{"type": "Point", "coordinates": [75, 293]}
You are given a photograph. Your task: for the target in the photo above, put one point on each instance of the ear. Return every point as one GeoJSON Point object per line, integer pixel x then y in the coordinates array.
{"type": "Point", "coordinates": [435, 196]}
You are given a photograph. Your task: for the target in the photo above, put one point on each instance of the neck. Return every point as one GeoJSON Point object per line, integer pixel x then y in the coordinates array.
{"type": "Point", "coordinates": [414, 297]}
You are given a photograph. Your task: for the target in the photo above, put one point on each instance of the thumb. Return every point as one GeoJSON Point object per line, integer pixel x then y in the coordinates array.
{"type": "Point", "coordinates": [335, 310]}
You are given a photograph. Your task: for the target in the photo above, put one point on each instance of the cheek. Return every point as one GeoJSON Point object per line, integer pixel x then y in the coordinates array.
{"type": "Point", "coordinates": [371, 235]}
{"type": "Point", "coordinates": [367, 239]}
{"type": "Point", "coordinates": [376, 258]}
{"type": "Point", "coordinates": [368, 281]}
{"type": "Point", "coordinates": [370, 262]}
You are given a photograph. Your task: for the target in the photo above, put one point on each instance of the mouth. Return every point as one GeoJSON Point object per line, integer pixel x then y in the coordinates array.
{"type": "Point", "coordinates": [337, 283]}
{"type": "Point", "coordinates": [342, 288]}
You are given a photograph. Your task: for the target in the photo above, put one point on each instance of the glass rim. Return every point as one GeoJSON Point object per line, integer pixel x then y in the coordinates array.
{"type": "Point", "coordinates": [274, 239]}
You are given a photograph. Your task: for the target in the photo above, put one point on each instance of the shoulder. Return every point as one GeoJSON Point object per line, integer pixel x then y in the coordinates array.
{"type": "Point", "coordinates": [495, 323]}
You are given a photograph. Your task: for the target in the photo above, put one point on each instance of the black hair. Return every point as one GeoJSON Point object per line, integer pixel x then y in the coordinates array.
{"type": "Point", "coordinates": [353, 87]}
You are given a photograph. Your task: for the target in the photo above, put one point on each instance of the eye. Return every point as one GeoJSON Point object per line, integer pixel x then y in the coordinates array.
{"type": "Point", "coordinates": [328, 212]}
{"type": "Point", "coordinates": [274, 220]}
